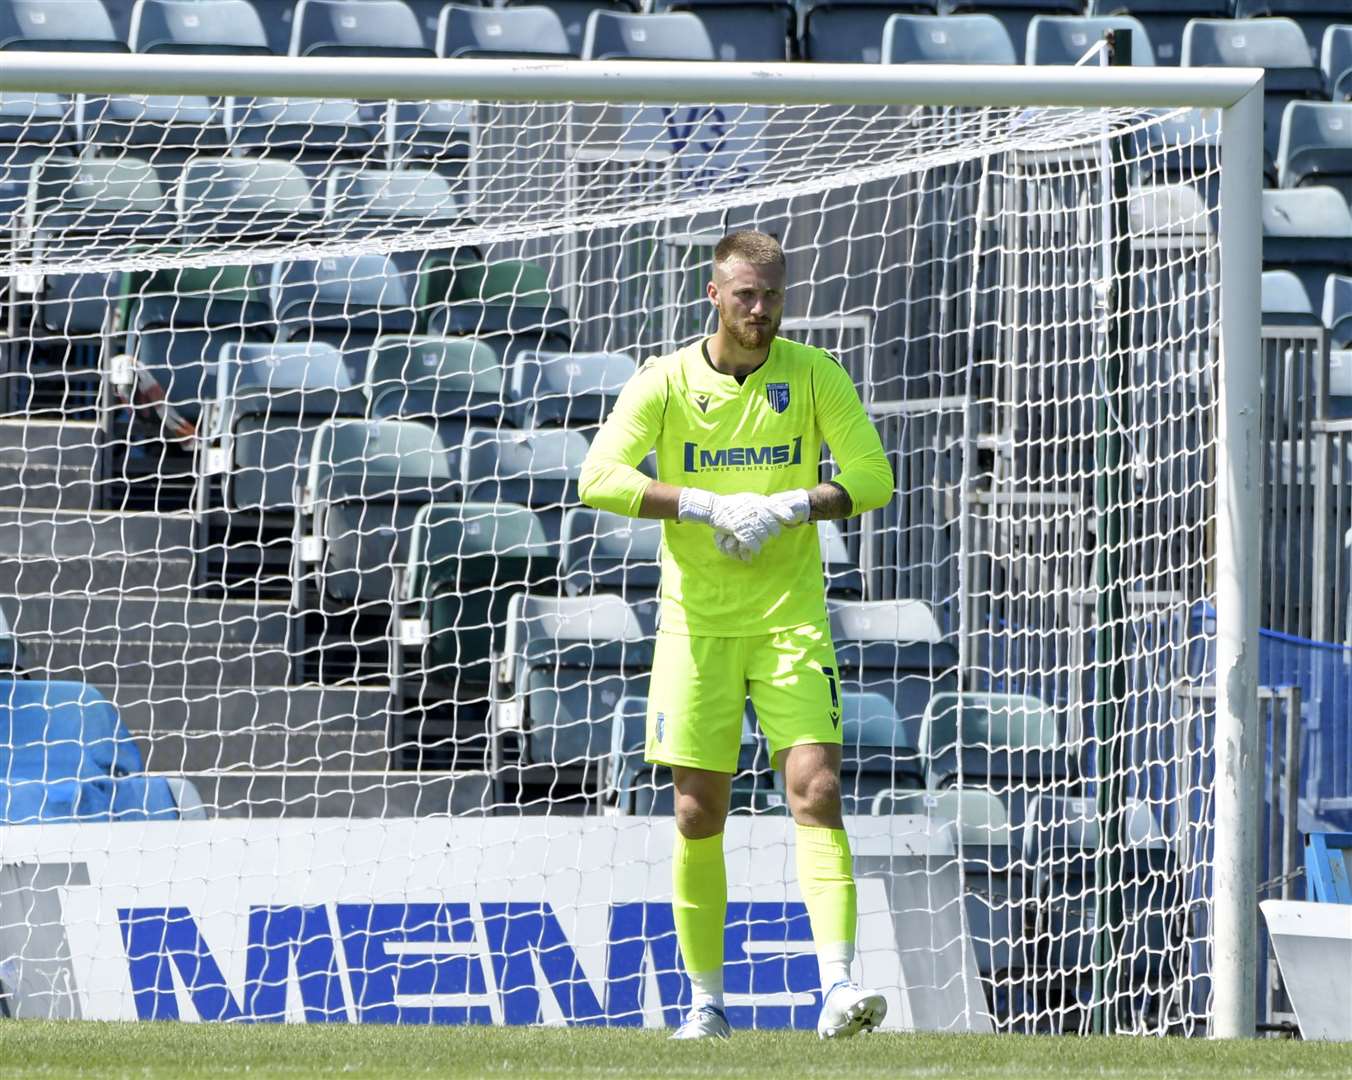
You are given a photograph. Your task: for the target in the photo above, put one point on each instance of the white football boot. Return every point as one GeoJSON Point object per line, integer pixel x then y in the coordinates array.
{"type": "Point", "coordinates": [706, 1022]}
{"type": "Point", "coordinates": [849, 1009]}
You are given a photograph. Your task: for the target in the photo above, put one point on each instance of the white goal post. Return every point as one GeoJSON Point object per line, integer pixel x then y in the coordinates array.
{"type": "Point", "coordinates": [1235, 455]}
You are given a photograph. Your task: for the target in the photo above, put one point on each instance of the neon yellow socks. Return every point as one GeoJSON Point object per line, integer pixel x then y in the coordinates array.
{"type": "Point", "coordinates": [699, 907]}
{"type": "Point", "coordinates": [826, 880]}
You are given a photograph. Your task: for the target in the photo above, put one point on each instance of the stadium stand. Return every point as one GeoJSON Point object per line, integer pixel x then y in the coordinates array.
{"type": "Point", "coordinates": [1016, 15]}
{"type": "Point", "coordinates": [58, 26]}
{"type": "Point", "coordinates": [946, 39]}
{"type": "Point", "coordinates": [1164, 20]}
{"type": "Point", "coordinates": [1337, 309]}
{"type": "Point", "coordinates": [1277, 46]}
{"type": "Point", "coordinates": [227, 197]}
{"type": "Point", "coordinates": [1314, 17]}
{"type": "Point", "coordinates": [573, 14]}
{"type": "Point", "coordinates": [571, 389]}
{"type": "Point", "coordinates": [538, 469]}
{"type": "Point", "coordinates": [1315, 146]}
{"type": "Point", "coordinates": [1285, 302]}
{"type": "Point", "coordinates": [356, 28]}
{"type": "Point", "coordinates": [11, 650]}
{"type": "Point", "coordinates": [186, 27]}
{"type": "Point", "coordinates": [878, 753]}
{"type": "Point", "coordinates": [163, 130]}
{"type": "Point", "coordinates": [314, 134]}
{"type": "Point", "coordinates": [849, 32]}
{"type": "Point", "coordinates": [362, 202]}
{"type": "Point", "coordinates": [1335, 61]}
{"type": "Point", "coordinates": [1309, 232]}
{"type": "Point", "coordinates": [744, 30]}
{"type": "Point", "coordinates": [671, 35]}
{"type": "Point", "coordinates": [470, 33]}
{"type": "Point", "coordinates": [507, 304]}
{"type": "Point", "coordinates": [1065, 39]}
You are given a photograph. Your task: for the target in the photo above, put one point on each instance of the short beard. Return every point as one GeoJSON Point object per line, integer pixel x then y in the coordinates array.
{"type": "Point", "coordinates": [749, 337]}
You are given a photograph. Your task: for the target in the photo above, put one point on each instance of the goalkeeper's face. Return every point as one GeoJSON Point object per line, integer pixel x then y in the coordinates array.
{"type": "Point", "coordinates": [750, 301]}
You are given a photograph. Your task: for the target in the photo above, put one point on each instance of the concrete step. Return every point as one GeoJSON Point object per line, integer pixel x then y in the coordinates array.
{"type": "Point", "coordinates": [163, 664]}
{"type": "Point", "coordinates": [50, 551]}
{"type": "Point", "coordinates": [163, 619]}
{"type": "Point", "coordinates": [343, 795]}
{"type": "Point", "coordinates": [31, 486]}
{"type": "Point", "coordinates": [270, 747]}
{"type": "Point", "coordinates": [63, 444]}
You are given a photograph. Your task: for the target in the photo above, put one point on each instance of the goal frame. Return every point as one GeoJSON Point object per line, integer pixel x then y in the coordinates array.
{"type": "Point", "coordinates": [1237, 94]}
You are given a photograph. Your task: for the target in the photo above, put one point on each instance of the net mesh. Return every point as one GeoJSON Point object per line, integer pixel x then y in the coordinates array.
{"type": "Point", "coordinates": [296, 395]}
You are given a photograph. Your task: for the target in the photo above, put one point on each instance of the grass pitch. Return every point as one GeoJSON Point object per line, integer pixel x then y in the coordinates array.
{"type": "Point", "coordinates": [161, 1051]}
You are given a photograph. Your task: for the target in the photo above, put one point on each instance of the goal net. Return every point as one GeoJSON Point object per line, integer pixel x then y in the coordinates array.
{"type": "Point", "coordinates": [333, 692]}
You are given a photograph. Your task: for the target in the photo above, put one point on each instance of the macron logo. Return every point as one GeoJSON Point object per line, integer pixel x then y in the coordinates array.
{"type": "Point", "coordinates": [698, 459]}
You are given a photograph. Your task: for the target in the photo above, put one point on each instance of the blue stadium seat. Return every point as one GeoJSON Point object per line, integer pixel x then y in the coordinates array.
{"type": "Point", "coordinates": [1285, 302]}
{"type": "Point", "coordinates": [604, 552]}
{"type": "Point", "coordinates": [348, 301]}
{"type": "Point", "coordinates": [1015, 14]}
{"type": "Point", "coordinates": [1315, 146]}
{"type": "Point", "coordinates": [1335, 61]}
{"type": "Point", "coordinates": [1337, 309]}
{"type": "Point", "coordinates": [472, 33]}
{"type": "Point", "coordinates": [745, 30]}
{"type": "Point", "coordinates": [1277, 46]}
{"type": "Point", "coordinates": [568, 661]}
{"type": "Point", "coordinates": [894, 647]}
{"type": "Point", "coordinates": [1064, 39]}
{"type": "Point", "coordinates": [466, 560]}
{"type": "Point", "coordinates": [1314, 17]}
{"type": "Point", "coordinates": [850, 31]}
{"type": "Point", "coordinates": [356, 28]}
{"type": "Point", "coordinates": [313, 132]}
{"type": "Point", "coordinates": [1164, 20]}
{"type": "Point", "coordinates": [878, 751]}
{"type": "Point", "coordinates": [1010, 744]}
{"type": "Point", "coordinates": [946, 39]}
{"type": "Point", "coordinates": [270, 400]}
{"type": "Point", "coordinates": [537, 469]}
{"type": "Point", "coordinates": [1309, 232]}
{"type": "Point", "coordinates": [507, 304]}
{"type": "Point", "coordinates": [231, 197]}
{"type": "Point", "coordinates": [66, 756]}
{"type": "Point", "coordinates": [569, 389]}
{"type": "Point", "coordinates": [573, 14]}
{"type": "Point", "coordinates": [180, 320]}
{"type": "Point", "coordinates": [621, 35]}
{"type": "Point", "coordinates": [186, 27]}
{"type": "Point", "coordinates": [58, 26]}
{"type": "Point", "coordinates": [450, 383]}
{"type": "Point", "coordinates": [366, 481]}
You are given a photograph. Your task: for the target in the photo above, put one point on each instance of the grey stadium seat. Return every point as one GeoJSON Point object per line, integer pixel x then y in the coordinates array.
{"type": "Point", "coordinates": [58, 26]}
{"type": "Point", "coordinates": [743, 29]}
{"type": "Point", "coordinates": [1309, 232]}
{"type": "Point", "coordinates": [213, 27]}
{"type": "Point", "coordinates": [1315, 146]}
{"type": "Point", "coordinates": [1335, 61]}
{"type": "Point", "coordinates": [1164, 20]}
{"type": "Point", "coordinates": [1314, 17]}
{"type": "Point", "coordinates": [573, 15]}
{"type": "Point", "coordinates": [946, 39]}
{"type": "Point", "coordinates": [1285, 302]}
{"type": "Point", "coordinates": [850, 31]}
{"type": "Point", "coordinates": [356, 28]}
{"type": "Point", "coordinates": [267, 201]}
{"type": "Point", "coordinates": [1337, 310]}
{"type": "Point", "coordinates": [538, 469]}
{"type": "Point", "coordinates": [1064, 39]}
{"type": "Point", "coordinates": [672, 35]}
{"type": "Point", "coordinates": [479, 32]}
{"type": "Point", "coordinates": [1015, 14]}
{"type": "Point", "coordinates": [569, 389]}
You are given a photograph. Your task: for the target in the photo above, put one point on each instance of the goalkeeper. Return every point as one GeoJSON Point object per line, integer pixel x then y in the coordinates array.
{"type": "Point", "coordinates": [738, 420]}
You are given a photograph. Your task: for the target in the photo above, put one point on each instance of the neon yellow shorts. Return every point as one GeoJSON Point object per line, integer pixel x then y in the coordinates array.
{"type": "Point", "coordinates": [699, 688]}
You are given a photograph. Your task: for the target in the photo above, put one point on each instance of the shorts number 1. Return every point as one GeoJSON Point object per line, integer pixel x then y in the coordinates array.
{"type": "Point", "coordinates": [830, 674]}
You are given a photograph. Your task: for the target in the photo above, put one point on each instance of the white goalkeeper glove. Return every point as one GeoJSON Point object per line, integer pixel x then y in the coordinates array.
{"type": "Point", "coordinates": [730, 546]}
{"type": "Point", "coordinates": [791, 507]}
{"type": "Point", "coordinates": [747, 517]}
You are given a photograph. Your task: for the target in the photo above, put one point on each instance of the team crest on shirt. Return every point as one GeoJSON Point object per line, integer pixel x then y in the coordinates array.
{"type": "Point", "coordinates": [778, 395]}
{"type": "Point", "coordinates": [661, 726]}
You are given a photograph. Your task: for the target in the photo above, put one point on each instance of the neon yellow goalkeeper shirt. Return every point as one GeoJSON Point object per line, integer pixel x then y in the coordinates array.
{"type": "Point", "coordinates": [763, 435]}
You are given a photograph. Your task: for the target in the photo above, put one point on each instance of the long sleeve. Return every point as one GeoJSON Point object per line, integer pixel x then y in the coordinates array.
{"type": "Point", "coordinates": [609, 479]}
{"type": "Point", "coordinates": [864, 469]}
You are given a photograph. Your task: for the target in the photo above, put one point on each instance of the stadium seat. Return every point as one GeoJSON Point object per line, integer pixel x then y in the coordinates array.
{"type": "Point", "coordinates": [476, 33]}
{"type": "Point", "coordinates": [946, 39]}
{"type": "Point", "coordinates": [1315, 146]}
{"type": "Point", "coordinates": [32, 126]}
{"type": "Point", "coordinates": [850, 31]}
{"type": "Point", "coordinates": [1182, 148]}
{"type": "Point", "coordinates": [1285, 302]}
{"type": "Point", "coordinates": [178, 321]}
{"type": "Point", "coordinates": [58, 26]}
{"type": "Point", "coordinates": [348, 301]}
{"type": "Point", "coordinates": [356, 28]}
{"type": "Point", "coordinates": [230, 197]}
{"type": "Point", "coordinates": [1010, 744]}
{"type": "Point", "coordinates": [315, 133]}
{"type": "Point", "coordinates": [165, 130]}
{"type": "Point", "coordinates": [878, 751]}
{"type": "Point", "coordinates": [538, 469]}
{"type": "Point", "coordinates": [894, 647]}
{"type": "Point", "coordinates": [506, 304]}
{"type": "Point", "coordinates": [1015, 14]}
{"type": "Point", "coordinates": [1277, 46]}
{"type": "Point", "coordinates": [569, 389]}
{"type": "Point", "coordinates": [1064, 39]}
{"type": "Point", "coordinates": [844, 579]}
{"type": "Point", "coordinates": [1336, 310]}
{"type": "Point", "coordinates": [604, 552]}
{"type": "Point", "coordinates": [745, 30]}
{"type": "Point", "coordinates": [573, 14]}
{"type": "Point", "coordinates": [270, 400]}
{"type": "Point", "coordinates": [567, 662]}
{"type": "Point", "coordinates": [1335, 61]}
{"type": "Point", "coordinates": [1314, 17]}
{"type": "Point", "coordinates": [466, 561]}
{"type": "Point", "coordinates": [360, 202]}
{"type": "Point", "coordinates": [365, 483]}
{"type": "Point", "coordinates": [1309, 232]}
{"type": "Point", "coordinates": [450, 383]}
{"type": "Point", "coordinates": [186, 27]}
{"type": "Point", "coordinates": [65, 755]}
{"type": "Point", "coordinates": [11, 650]}
{"type": "Point", "coordinates": [1164, 20]}
{"type": "Point", "coordinates": [621, 35]}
